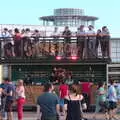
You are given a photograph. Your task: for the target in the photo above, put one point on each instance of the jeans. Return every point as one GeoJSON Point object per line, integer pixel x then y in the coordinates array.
{"type": "Point", "coordinates": [20, 103]}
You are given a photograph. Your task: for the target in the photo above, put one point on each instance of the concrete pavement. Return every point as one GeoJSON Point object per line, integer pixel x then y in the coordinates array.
{"type": "Point", "coordinates": [89, 116]}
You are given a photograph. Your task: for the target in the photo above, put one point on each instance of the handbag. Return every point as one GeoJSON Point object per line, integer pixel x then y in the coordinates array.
{"type": "Point", "coordinates": [84, 106]}
{"type": "Point", "coordinates": [81, 110]}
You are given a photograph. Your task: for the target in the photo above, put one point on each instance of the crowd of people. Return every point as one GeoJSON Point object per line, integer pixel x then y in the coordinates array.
{"type": "Point", "coordinates": [69, 102]}
{"type": "Point", "coordinates": [10, 93]}
{"type": "Point", "coordinates": [60, 74]}
{"type": "Point", "coordinates": [29, 43]}
{"type": "Point", "coordinates": [108, 100]}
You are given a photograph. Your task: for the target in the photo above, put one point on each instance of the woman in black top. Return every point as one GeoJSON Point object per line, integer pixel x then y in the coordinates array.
{"type": "Point", "coordinates": [72, 104]}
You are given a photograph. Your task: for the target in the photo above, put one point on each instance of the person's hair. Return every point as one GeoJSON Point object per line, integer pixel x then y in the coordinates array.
{"type": "Point", "coordinates": [16, 30]}
{"type": "Point", "coordinates": [27, 29]}
{"type": "Point", "coordinates": [90, 26]}
{"type": "Point", "coordinates": [104, 27]}
{"type": "Point", "coordinates": [66, 27]}
{"type": "Point", "coordinates": [100, 84]}
{"type": "Point", "coordinates": [62, 81]}
{"type": "Point", "coordinates": [81, 26]}
{"type": "Point", "coordinates": [20, 81]}
{"type": "Point", "coordinates": [7, 80]}
{"type": "Point", "coordinates": [74, 89]}
{"type": "Point", "coordinates": [47, 86]}
{"type": "Point", "coordinates": [5, 29]}
{"type": "Point", "coordinates": [36, 31]}
{"type": "Point", "coordinates": [98, 31]}
{"type": "Point", "coordinates": [112, 82]}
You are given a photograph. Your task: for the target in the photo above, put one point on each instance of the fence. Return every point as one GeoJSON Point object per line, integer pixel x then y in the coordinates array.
{"type": "Point", "coordinates": [36, 47]}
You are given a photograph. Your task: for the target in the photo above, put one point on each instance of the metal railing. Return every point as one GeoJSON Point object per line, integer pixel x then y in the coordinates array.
{"type": "Point", "coordinates": [37, 47]}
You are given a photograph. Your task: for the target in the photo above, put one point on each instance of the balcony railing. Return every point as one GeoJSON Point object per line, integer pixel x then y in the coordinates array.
{"type": "Point", "coordinates": [45, 47]}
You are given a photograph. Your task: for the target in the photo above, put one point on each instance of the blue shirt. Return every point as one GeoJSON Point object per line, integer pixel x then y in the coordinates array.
{"type": "Point", "coordinates": [10, 88]}
{"type": "Point", "coordinates": [112, 94]}
{"type": "Point", "coordinates": [48, 102]}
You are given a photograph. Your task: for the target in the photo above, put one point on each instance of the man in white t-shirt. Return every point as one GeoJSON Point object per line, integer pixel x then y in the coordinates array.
{"type": "Point", "coordinates": [112, 98]}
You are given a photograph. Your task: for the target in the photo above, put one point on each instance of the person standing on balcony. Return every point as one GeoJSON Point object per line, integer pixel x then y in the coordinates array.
{"type": "Point", "coordinates": [6, 43]}
{"type": "Point", "coordinates": [55, 36]}
{"type": "Point", "coordinates": [35, 45]}
{"type": "Point", "coordinates": [80, 41]}
{"type": "Point", "coordinates": [20, 96]}
{"type": "Point", "coordinates": [91, 42]}
{"type": "Point", "coordinates": [67, 41]}
{"type": "Point", "coordinates": [105, 42]}
{"type": "Point", "coordinates": [17, 43]}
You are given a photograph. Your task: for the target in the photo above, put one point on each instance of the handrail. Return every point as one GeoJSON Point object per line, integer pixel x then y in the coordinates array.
{"type": "Point", "coordinates": [36, 46]}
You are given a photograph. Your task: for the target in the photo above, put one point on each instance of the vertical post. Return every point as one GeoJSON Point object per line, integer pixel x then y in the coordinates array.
{"type": "Point", "coordinates": [107, 75]}
{"type": "Point", "coordinates": [10, 72]}
{"type": "Point", "coordinates": [1, 73]}
{"type": "Point", "coordinates": [22, 48]}
{"type": "Point", "coordinates": [93, 23]}
{"type": "Point", "coordinates": [5, 71]}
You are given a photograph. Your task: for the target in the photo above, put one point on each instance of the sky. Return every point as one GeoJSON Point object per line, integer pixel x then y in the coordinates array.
{"type": "Point", "coordinates": [28, 11]}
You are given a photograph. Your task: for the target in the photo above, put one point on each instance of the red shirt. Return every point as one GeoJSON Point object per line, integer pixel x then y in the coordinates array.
{"type": "Point", "coordinates": [63, 90]}
{"type": "Point", "coordinates": [17, 36]}
{"type": "Point", "coordinates": [86, 87]}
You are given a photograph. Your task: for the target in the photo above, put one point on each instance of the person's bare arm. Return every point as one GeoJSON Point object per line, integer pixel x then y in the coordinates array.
{"type": "Point", "coordinates": [65, 110]}
{"type": "Point", "coordinates": [58, 109]}
{"type": "Point", "coordinates": [39, 114]}
{"type": "Point", "coordinates": [7, 94]}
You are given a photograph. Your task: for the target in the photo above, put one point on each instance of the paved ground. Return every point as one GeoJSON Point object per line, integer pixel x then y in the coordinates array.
{"type": "Point", "coordinates": [32, 116]}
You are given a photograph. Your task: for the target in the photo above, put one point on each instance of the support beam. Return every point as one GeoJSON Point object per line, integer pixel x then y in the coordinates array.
{"type": "Point", "coordinates": [1, 73]}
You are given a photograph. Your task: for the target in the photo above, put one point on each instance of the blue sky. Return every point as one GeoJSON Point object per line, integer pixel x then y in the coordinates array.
{"type": "Point", "coordinates": [28, 11]}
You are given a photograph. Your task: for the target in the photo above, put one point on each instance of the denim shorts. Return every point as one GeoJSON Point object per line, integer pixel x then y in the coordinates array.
{"type": "Point", "coordinates": [112, 105]}
{"type": "Point", "coordinates": [61, 102]}
{"type": "Point", "coordinates": [8, 105]}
